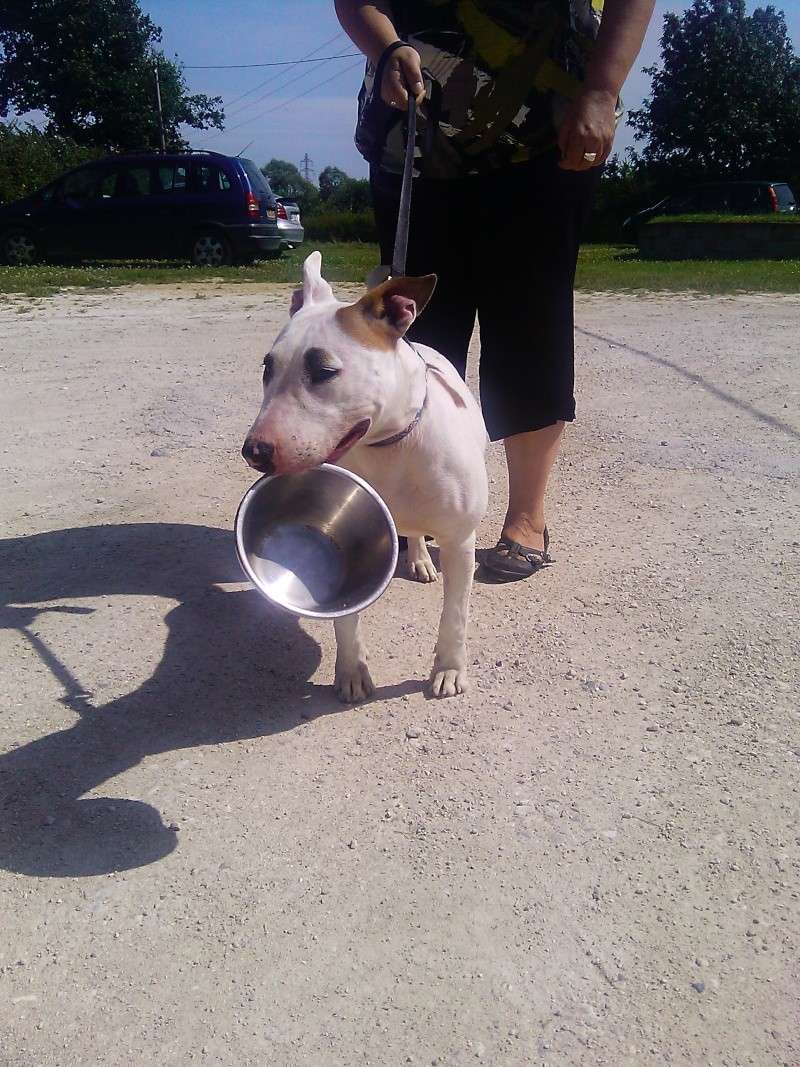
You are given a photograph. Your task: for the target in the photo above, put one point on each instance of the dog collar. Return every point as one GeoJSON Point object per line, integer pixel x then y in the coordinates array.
{"type": "Point", "coordinates": [415, 421]}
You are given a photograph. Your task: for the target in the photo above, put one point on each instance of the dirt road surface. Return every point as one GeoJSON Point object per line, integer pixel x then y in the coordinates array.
{"type": "Point", "coordinates": [590, 859]}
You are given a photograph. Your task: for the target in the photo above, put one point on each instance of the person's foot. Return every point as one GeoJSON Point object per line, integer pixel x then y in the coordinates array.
{"type": "Point", "coordinates": [511, 560]}
{"type": "Point", "coordinates": [525, 532]}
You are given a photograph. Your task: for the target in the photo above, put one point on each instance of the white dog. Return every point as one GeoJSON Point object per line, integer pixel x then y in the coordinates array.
{"type": "Point", "coordinates": [341, 385]}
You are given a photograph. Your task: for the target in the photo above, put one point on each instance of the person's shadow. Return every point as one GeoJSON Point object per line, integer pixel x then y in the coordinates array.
{"type": "Point", "coordinates": [231, 669]}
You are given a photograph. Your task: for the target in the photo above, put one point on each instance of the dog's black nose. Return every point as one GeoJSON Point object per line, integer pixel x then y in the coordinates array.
{"type": "Point", "coordinates": [259, 455]}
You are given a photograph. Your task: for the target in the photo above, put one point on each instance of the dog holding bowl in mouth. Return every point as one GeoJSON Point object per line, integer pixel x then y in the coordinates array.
{"type": "Point", "coordinates": [343, 386]}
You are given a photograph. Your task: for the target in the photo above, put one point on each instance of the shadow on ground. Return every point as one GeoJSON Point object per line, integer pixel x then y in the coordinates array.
{"type": "Point", "coordinates": [231, 669]}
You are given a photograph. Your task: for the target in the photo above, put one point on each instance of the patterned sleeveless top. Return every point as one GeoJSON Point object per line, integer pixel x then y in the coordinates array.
{"type": "Point", "coordinates": [500, 74]}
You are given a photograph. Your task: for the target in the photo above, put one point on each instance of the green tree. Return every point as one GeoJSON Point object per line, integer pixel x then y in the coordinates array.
{"type": "Point", "coordinates": [89, 66]}
{"type": "Point", "coordinates": [330, 179]}
{"type": "Point", "coordinates": [286, 180]}
{"type": "Point", "coordinates": [30, 159]}
{"type": "Point", "coordinates": [725, 98]}
{"type": "Point", "coordinates": [350, 195]}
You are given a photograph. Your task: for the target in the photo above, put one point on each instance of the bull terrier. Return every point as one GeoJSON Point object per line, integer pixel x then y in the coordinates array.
{"type": "Point", "coordinates": [342, 385]}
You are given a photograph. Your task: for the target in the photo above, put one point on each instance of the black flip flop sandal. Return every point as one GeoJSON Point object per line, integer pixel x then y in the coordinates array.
{"type": "Point", "coordinates": [511, 561]}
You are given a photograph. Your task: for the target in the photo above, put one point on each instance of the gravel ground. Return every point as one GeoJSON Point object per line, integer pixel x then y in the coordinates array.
{"type": "Point", "coordinates": [590, 859]}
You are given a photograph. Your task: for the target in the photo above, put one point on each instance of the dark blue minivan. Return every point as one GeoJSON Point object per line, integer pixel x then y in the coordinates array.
{"type": "Point", "coordinates": [203, 206]}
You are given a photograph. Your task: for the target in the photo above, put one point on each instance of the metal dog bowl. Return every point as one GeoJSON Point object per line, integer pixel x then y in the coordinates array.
{"type": "Point", "coordinates": [320, 544]}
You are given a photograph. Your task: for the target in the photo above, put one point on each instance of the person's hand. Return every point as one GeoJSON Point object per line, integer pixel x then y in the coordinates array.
{"type": "Point", "coordinates": [402, 74]}
{"type": "Point", "coordinates": [587, 130]}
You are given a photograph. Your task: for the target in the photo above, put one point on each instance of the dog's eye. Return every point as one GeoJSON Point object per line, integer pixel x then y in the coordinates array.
{"type": "Point", "coordinates": [323, 374]}
{"type": "Point", "coordinates": [269, 367]}
{"type": "Point", "coordinates": [321, 366]}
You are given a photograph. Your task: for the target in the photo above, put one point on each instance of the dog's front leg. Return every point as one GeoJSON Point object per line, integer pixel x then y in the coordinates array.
{"type": "Point", "coordinates": [450, 665]}
{"type": "Point", "coordinates": [352, 681]}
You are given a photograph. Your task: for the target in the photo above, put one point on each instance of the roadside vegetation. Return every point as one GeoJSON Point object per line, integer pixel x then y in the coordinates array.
{"type": "Point", "coordinates": [783, 219]}
{"type": "Point", "coordinates": [601, 268]}
{"type": "Point", "coordinates": [738, 69]}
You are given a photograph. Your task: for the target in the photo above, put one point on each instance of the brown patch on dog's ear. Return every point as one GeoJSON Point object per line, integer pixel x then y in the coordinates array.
{"type": "Point", "coordinates": [384, 314]}
{"type": "Point", "coordinates": [365, 330]}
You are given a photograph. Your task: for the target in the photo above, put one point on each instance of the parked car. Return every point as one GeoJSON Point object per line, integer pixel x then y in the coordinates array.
{"type": "Point", "coordinates": [203, 206]}
{"type": "Point", "coordinates": [292, 233]}
{"type": "Point", "coordinates": [718, 198]}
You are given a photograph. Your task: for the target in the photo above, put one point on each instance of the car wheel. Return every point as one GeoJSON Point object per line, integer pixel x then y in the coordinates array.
{"type": "Point", "coordinates": [19, 249]}
{"type": "Point", "coordinates": [210, 249]}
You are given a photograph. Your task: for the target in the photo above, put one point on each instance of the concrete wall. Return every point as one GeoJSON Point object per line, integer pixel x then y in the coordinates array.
{"type": "Point", "coordinates": [720, 240]}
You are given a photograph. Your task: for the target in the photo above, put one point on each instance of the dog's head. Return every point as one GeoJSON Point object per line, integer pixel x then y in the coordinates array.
{"type": "Point", "coordinates": [331, 372]}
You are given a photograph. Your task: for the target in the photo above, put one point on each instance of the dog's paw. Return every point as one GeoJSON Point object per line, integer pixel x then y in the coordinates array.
{"type": "Point", "coordinates": [449, 683]}
{"type": "Point", "coordinates": [423, 570]}
{"type": "Point", "coordinates": [420, 565]}
{"type": "Point", "coordinates": [353, 685]}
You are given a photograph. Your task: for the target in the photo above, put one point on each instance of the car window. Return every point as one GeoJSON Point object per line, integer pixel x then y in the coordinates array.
{"type": "Point", "coordinates": [108, 184]}
{"type": "Point", "coordinates": [80, 185]}
{"type": "Point", "coordinates": [124, 181]}
{"type": "Point", "coordinates": [209, 178]}
{"type": "Point", "coordinates": [258, 182]}
{"type": "Point", "coordinates": [173, 177]}
{"type": "Point", "coordinates": [133, 181]}
{"type": "Point", "coordinates": [784, 194]}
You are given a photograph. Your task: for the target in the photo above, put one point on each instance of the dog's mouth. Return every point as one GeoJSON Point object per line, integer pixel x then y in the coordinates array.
{"type": "Point", "coordinates": [349, 439]}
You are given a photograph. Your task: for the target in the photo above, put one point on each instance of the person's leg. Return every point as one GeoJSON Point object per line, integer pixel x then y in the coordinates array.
{"type": "Point", "coordinates": [526, 316]}
{"type": "Point", "coordinates": [530, 457]}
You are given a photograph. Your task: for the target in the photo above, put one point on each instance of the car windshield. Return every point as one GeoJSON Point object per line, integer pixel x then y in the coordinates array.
{"type": "Point", "coordinates": [257, 179]}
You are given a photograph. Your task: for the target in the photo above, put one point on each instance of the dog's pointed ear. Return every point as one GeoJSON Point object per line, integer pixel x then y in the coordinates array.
{"type": "Point", "coordinates": [315, 289]}
{"type": "Point", "coordinates": [396, 303]}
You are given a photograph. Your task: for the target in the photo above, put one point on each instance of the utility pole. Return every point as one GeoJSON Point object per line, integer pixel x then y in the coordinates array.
{"type": "Point", "coordinates": [306, 167]}
{"type": "Point", "coordinates": [158, 103]}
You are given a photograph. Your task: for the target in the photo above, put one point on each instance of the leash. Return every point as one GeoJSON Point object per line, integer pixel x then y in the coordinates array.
{"type": "Point", "coordinates": [400, 253]}
{"type": "Point", "coordinates": [404, 212]}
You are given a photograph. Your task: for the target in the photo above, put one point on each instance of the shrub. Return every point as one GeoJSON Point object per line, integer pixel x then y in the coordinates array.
{"type": "Point", "coordinates": [780, 217]}
{"type": "Point", "coordinates": [30, 159]}
{"type": "Point", "coordinates": [341, 226]}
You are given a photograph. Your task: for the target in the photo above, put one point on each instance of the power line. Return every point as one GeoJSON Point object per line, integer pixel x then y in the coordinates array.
{"type": "Point", "coordinates": [286, 103]}
{"type": "Point", "coordinates": [250, 66]}
{"type": "Point", "coordinates": [280, 74]}
{"type": "Point", "coordinates": [279, 88]}
{"type": "Point", "coordinates": [271, 92]}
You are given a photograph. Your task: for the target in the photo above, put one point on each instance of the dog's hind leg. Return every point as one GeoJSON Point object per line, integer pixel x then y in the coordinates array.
{"type": "Point", "coordinates": [450, 665]}
{"type": "Point", "coordinates": [352, 680]}
{"type": "Point", "coordinates": [420, 564]}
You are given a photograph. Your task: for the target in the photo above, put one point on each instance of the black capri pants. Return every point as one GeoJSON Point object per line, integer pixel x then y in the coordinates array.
{"type": "Point", "coordinates": [504, 245]}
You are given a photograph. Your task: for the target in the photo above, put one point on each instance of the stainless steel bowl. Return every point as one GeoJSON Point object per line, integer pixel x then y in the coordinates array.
{"type": "Point", "coordinates": [321, 544]}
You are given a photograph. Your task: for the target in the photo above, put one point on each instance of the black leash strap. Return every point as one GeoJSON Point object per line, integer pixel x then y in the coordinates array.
{"type": "Point", "coordinates": [404, 213]}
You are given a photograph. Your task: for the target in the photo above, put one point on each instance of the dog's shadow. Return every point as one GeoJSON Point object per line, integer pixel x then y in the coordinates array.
{"type": "Point", "coordinates": [231, 669]}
